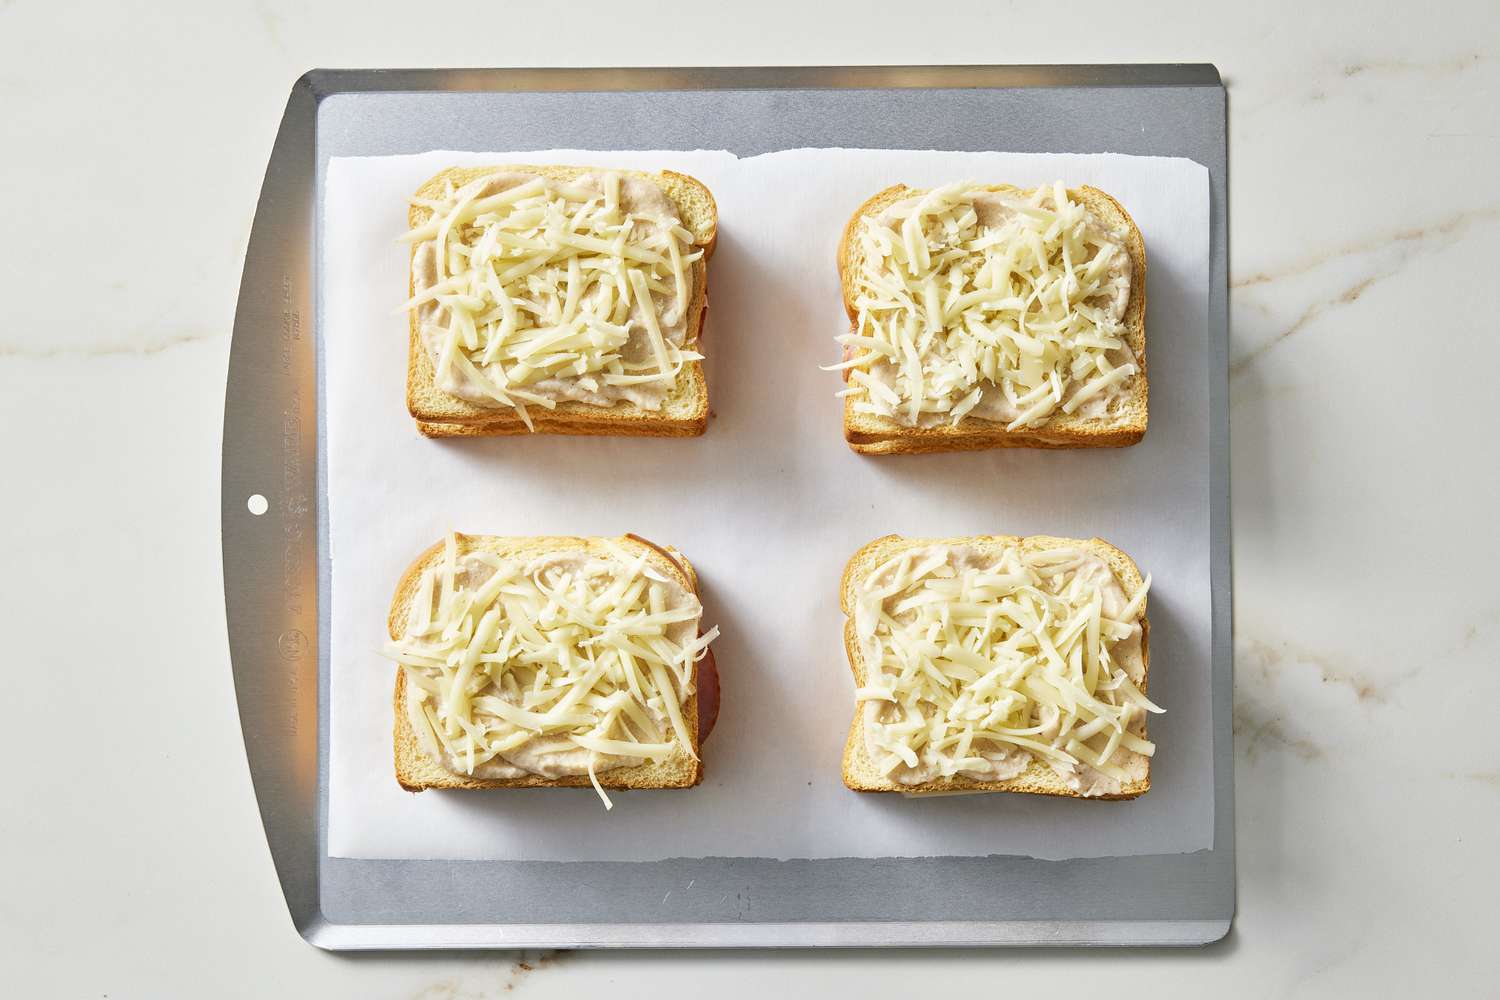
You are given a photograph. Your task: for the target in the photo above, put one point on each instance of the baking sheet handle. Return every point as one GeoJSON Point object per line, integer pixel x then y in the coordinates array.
{"type": "Point", "coordinates": [269, 509]}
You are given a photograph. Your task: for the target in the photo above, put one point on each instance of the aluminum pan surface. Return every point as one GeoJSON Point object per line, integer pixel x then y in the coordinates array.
{"type": "Point", "coordinates": [271, 429]}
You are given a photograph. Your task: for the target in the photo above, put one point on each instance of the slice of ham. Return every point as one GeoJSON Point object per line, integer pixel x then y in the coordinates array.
{"type": "Point", "coordinates": [708, 695]}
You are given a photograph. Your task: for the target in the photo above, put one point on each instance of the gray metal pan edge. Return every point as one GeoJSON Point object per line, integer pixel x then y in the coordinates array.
{"type": "Point", "coordinates": [275, 570]}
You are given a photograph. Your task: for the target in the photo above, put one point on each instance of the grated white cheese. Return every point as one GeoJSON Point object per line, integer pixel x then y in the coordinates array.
{"type": "Point", "coordinates": [979, 663]}
{"type": "Point", "coordinates": [569, 663]}
{"type": "Point", "coordinates": [530, 290]}
{"type": "Point", "coordinates": [1002, 305]}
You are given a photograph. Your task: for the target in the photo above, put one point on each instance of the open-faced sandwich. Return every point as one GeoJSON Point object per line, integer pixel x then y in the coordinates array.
{"type": "Point", "coordinates": [550, 662]}
{"type": "Point", "coordinates": [985, 316]}
{"type": "Point", "coordinates": [997, 664]}
{"type": "Point", "coordinates": [563, 300]}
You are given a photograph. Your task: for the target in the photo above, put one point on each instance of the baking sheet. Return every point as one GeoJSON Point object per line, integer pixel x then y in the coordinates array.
{"type": "Point", "coordinates": [768, 505]}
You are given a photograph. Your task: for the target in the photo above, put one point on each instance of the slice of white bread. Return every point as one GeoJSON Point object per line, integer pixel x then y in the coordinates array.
{"type": "Point", "coordinates": [417, 770]}
{"type": "Point", "coordinates": [860, 772]}
{"type": "Point", "coordinates": [684, 412]}
{"type": "Point", "coordinates": [872, 434]}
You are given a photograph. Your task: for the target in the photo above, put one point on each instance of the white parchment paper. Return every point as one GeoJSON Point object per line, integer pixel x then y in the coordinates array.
{"type": "Point", "coordinates": [768, 505]}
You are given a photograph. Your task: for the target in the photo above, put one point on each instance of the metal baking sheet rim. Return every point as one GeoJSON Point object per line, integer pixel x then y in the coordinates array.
{"type": "Point", "coordinates": [272, 561]}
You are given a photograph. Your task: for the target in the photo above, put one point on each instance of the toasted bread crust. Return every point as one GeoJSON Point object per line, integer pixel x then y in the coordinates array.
{"type": "Point", "coordinates": [574, 419]}
{"type": "Point", "coordinates": [685, 411]}
{"type": "Point", "coordinates": [873, 435]}
{"type": "Point", "coordinates": [415, 768]}
{"type": "Point", "coordinates": [859, 771]}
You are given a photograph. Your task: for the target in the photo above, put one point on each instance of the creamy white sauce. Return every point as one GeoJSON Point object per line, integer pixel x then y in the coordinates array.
{"type": "Point", "coordinates": [638, 196]}
{"type": "Point", "coordinates": [992, 210]}
{"type": "Point", "coordinates": [549, 755]}
{"type": "Point", "coordinates": [1005, 761]}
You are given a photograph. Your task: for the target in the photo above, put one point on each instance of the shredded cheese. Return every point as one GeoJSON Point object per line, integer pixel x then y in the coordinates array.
{"type": "Point", "coordinates": [569, 662]}
{"type": "Point", "coordinates": [978, 664]}
{"type": "Point", "coordinates": [569, 289]}
{"type": "Point", "coordinates": [1004, 305]}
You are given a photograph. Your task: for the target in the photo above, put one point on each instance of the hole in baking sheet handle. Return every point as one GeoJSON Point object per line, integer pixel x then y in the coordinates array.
{"type": "Point", "coordinates": [257, 504]}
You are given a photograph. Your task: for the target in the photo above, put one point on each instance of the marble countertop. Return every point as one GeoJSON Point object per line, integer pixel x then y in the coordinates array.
{"type": "Point", "coordinates": [1364, 145]}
